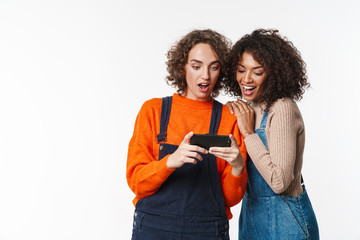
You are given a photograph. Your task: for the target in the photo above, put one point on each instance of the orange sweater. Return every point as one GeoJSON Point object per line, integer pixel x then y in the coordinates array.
{"type": "Point", "coordinates": [145, 173]}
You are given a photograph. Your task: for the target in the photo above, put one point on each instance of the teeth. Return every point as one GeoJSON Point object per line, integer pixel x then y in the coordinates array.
{"type": "Point", "coordinates": [248, 88]}
{"type": "Point", "coordinates": [203, 84]}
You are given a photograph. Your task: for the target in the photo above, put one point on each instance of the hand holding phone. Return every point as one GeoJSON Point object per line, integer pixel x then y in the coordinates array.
{"type": "Point", "coordinates": [185, 153]}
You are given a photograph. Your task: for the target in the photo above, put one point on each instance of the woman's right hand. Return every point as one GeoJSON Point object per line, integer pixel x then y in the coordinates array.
{"type": "Point", "coordinates": [245, 116]}
{"type": "Point", "coordinates": [185, 153]}
{"type": "Point", "coordinates": [229, 104]}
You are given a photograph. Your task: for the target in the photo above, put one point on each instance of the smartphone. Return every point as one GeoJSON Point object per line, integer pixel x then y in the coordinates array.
{"type": "Point", "coordinates": [206, 141]}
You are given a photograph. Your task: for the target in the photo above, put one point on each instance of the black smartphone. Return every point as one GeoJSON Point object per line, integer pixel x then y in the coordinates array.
{"type": "Point", "coordinates": [206, 141]}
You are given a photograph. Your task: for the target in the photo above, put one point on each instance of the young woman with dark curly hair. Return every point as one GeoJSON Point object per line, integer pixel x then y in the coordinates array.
{"type": "Point", "coordinates": [184, 191]}
{"type": "Point", "coordinates": [269, 74]}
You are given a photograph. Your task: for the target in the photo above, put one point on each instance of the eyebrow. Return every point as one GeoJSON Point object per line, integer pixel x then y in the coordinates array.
{"type": "Point", "coordinates": [253, 67]}
{"type": "Point", "coordinates": [198, 61]}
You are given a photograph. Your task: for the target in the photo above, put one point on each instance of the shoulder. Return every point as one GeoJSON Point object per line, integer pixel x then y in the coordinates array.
{"type": "Point", "coordinates": [227, 114]}
{"type": "Point", "coordinates": [150, 108]}
{"type": "Point", "coordinates": [286, 110]}
{"type": "Point", "coordinates": [284, 106]}
{"type": "Point", "coordinates": [228, 122]}
{"type": "Point", "coordinates": [151, 104]}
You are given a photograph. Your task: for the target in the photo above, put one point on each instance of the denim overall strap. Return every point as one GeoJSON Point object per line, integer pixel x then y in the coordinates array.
{"type": "Point", "coordinates": [263, 126]}
{"type": "Point", "coordinates": [257, 186]}
{"type": "Point", "coordinates": [215, 117]}
{"type": "Point", "coordinates": [165, 115]}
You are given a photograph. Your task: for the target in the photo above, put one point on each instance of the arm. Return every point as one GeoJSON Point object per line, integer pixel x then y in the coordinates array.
{"type": "Point", "coordinates": [234, 187]}
{"type": "Point", "coordinates": [144, 173]}
{"type": "Point", "coordinates": [233, 182]}
{"type": "Point", "coordinates": [276, 165]}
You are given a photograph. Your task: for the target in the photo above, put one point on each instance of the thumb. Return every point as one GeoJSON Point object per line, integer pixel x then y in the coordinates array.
{"type": "Point", "coordinates": [187, 137]}
{"type": "Point", "coordinates": [233, 141]}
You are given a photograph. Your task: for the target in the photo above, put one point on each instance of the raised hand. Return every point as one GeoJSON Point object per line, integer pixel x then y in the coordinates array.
{"type": "Point", "coordinates": [185, 153]}
{"type": "Point", "coordinates": [230, 154]}
{"type": "Point", "coordinates": [245, 117]}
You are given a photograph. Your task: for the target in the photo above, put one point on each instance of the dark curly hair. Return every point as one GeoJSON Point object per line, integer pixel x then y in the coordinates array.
{"type": "Point", "coordinates": [178, 57]}
{"type": "Point", "coordinates": [286, 71]}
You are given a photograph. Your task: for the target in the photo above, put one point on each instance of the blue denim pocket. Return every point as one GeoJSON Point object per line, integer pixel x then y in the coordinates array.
{"type": "Point", "coordinates": [289, 219]}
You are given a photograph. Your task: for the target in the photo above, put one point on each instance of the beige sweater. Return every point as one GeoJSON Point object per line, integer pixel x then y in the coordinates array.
{"type": "Point", "coordinates": [280, 166]}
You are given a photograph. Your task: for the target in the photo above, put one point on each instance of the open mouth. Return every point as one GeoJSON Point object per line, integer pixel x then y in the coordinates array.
{"type": "Point", "coordinates": [248, 90]}
{"type": "Point", "coordinates": [203, 86]}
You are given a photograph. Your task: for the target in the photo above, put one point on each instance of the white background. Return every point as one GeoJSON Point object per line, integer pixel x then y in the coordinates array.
{"type": "Point", "coordinates": [73, 75]}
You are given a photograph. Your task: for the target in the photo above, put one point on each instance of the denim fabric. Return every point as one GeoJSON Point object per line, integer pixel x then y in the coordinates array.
{"type": "Point", "coordinates": [267, 215]}
{"type": "Point", "coordinates": [189, 204]}
{"type": "Point", "coordinates": [193, 189]}
{"type": "Point", "coordinates": [157, 227]}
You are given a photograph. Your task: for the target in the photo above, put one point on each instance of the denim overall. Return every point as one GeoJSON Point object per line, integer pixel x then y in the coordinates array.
{"type": "Point", "coordinates": [189, 204]}
{"type": "Point", "coordinates": [267, 215]}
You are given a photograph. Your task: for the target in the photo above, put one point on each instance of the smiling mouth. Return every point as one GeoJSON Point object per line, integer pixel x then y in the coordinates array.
{"type": "Point", "coordinates": [248, 90]}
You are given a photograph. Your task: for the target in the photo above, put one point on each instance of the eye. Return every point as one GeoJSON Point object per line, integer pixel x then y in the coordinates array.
{"type": "Point", "coordinates": [240, 71]}
{"type": "Point", "coordinates": [214, 68]}
{"type": "Point", "coordinates": [259, 74]}
{"type": "Point", "coordinates": [196, 67]}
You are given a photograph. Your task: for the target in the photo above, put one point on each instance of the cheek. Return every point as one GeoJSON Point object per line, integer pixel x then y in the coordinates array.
{"type": "Point", "coordinates": [215, 75]}
{"type": "Point", "coordinates": [238, 78]}
{"type": "Point", "coordinates": [261, 82]}
{"type": "Point", "coordinates": [261, 85]}
{"type": "Point", "coordinates": [189, 75]}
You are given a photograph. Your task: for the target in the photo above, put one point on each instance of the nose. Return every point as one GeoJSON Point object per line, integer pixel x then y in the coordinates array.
{"type": "Point", "coordinates": [247, 78]}
{"type": "Point", "coordinates": [205, 73]}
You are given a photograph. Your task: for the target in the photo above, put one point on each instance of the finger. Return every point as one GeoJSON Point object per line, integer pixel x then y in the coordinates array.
{"type": "Point", "coordinates": [220, 150]}
{"type": "Point", "coordinates": [190, 160]}
{"type": "Point", "coordinates": [240, 107]}
{"type": "Point", "coordinates": [233, 141]}
{"type": "Point", "coordinates": [247, 107]}
{"type": "Point", "coordinates": [187, 137]}
{"type": "Point", "coordinates": [230, 106]}
{"type": "Point", "coordinates": [241, 104]}
{"type": "Point", "coordinates": [244, 108]}
{"type": "Point", "coordinates": [225, 156]}
{"type": "Point", "coordinates": [192, 154]}
{"type": "Point", "coordinates": [236, 108]}
{"type": "Point", "coordinates": [195, 148]}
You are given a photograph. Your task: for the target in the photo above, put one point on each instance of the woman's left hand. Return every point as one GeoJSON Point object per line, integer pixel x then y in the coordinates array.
{"type": "Point", "coordinates": [230, 154]}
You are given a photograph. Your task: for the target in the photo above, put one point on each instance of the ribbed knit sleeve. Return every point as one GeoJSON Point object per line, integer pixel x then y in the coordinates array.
{"type": "Point", "coordinates": [284, 130]}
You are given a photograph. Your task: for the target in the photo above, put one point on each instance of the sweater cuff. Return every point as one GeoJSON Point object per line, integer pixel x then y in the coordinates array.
{"type": "Point", "coordinates": [163, 171]}
{"type": "Point", "coordinates": [237, 179]}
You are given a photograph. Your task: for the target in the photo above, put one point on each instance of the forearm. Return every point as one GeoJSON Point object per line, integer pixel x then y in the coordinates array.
{"type": "Point", "coordinates": [276, 168]}
{"type": "Point", "coordinates": [145, 178]}
{"type": "Point", "coordinates": [234, 187]}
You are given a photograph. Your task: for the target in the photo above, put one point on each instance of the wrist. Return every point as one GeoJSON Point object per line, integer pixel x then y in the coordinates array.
{"type": "Point", "coordinates": [248, 133]}
{"type": "Point", "coordinates": [169, 162]}
{"type": "Point", "coordinates": [237, 171]}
